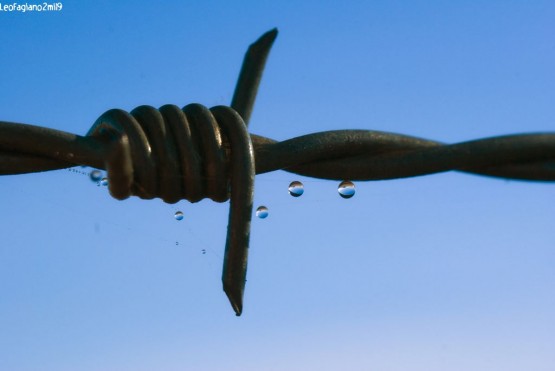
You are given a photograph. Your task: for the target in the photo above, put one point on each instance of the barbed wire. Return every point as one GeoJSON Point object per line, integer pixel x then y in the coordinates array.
{"type": "Point", "coordinates": [195, 153]}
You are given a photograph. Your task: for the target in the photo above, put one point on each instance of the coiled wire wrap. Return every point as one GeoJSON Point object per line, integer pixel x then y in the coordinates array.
{"type": "Point", "coordinates": [191, 154]}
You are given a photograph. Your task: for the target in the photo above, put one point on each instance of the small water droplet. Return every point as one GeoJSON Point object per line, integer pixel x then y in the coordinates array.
{"type": "Point", "coordinates": [296, 189]}
{"type": "Point", "coordinates": [203, 251]}
{"type": "Point", "coordinates": [178, 215]}
{"type": "Point", "coordinates": [104, 181]}
{"type": "Point", "coordinates": [95, 175]}
{"type": "Point", "coordinates": [176, 243]}
{"type": "Point", "coordinates": [262, 212]}
{"type": "Point", "coordinates": [346, 189]}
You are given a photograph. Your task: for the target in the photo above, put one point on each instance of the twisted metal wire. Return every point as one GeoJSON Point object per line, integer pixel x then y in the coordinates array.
{"type": "Point", "coordinates": [196, 152]}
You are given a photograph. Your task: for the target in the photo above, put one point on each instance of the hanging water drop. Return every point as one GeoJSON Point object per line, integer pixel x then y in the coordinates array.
{"type": "Point", "coordinates": [296, 189]}
{"type": "Point", "coordinates": [104, 181]}
{"type": "Point", "coordinates": [95, 175]}
{"type": "Point", "coordinates": [178, 215]}
{"type": "Point", "coordinates": [262, 212]}
{"type": "Point", "coordinates": [346, 189]}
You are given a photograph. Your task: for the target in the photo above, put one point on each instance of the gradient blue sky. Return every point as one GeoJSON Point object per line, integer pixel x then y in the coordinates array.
{"type": "Point", "coordinates": [443, 272]}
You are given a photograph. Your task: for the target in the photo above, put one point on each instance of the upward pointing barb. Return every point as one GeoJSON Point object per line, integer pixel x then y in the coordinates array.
{"type": "Point", "coordinates": [251, 74]}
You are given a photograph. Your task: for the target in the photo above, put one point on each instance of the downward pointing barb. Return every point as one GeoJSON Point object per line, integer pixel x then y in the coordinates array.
{"type": "Point", "coordinates": [235, 296]}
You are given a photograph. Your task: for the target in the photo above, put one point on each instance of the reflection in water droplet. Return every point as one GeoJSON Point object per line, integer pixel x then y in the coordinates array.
{"type": "Point", "coordinates": [95, 175]}
{"type": "Point", "coordinates": [104, 181]}
{"type": "Point", "coordinates": [178, 215]}
{"type": "Point", "coordinates": [262, 212]}
{"type": "Point", "coordinates": [296, 189]}
{"type": "Point", "coordinates": [346, 189]}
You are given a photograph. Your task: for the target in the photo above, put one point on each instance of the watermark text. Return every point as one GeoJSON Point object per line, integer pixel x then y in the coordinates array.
{"type": "Point", "coordinates": [26, 7]}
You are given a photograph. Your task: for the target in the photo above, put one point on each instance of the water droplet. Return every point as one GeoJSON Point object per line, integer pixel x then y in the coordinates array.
{"type": "Point", "coordinates": [346, 189]}
{"type": "Point", "coordinates": [296, 189]}
{"type": "Point", "coordinates": [178, 215]}
{"type": "Point", "coordinates": [262, 212]}
{"type": "Point", "coordinates": [176, 243]}
{"type": "Point", "coordinates": [203, 251]}
{"type": "Point", "coordinates": [104, 181]}
{"type": "Point", "coordinates": [95, 175]}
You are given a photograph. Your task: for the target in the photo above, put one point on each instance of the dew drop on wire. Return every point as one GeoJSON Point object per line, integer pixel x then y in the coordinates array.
{"type": "Point", "coordinates": [346, 189]}
{"type": "Point", "coordinates": [178, 215]}
{"type": "Point", "coordinates": [95, 175]}
{"type": "Point", "coordinates": [296, 189]}
{"type": "Point", "coordinates": [104, 181]}
{"type": "Point", "coordinates": [262, 212]}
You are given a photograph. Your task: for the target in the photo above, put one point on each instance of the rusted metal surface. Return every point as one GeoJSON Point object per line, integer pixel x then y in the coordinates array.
{"type": "Point", "coordinates": [195, 152]}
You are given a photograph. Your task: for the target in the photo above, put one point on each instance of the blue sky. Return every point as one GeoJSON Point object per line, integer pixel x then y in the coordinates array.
{"type": "Point", "coordinates": [449, 271]}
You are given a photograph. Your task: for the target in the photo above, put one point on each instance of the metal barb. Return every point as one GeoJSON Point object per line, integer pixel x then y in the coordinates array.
{"type": "Point", "coordinates": [195, 152]}
{"type": "Point", "coordinates": [251, 74]}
